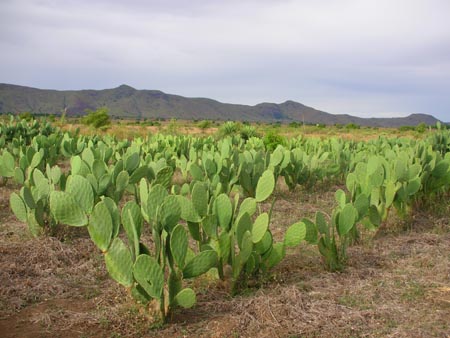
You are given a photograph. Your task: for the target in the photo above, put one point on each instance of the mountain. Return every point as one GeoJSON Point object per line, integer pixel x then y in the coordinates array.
{"type": "Point", "coordinates": [125, 101]}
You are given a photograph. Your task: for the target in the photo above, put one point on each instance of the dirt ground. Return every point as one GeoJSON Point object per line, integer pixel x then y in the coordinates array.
{"type": "Point", "coordinates": [396, 285]}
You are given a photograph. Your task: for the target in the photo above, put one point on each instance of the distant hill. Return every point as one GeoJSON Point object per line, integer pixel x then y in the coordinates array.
{"type": "Point", "coordinates": [125, 101]}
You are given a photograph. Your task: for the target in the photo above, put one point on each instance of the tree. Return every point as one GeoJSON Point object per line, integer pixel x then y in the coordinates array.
{"type": "Point", "coordinates": [98, 119]}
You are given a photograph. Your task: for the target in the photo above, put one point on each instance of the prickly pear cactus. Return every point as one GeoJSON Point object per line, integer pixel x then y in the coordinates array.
{"type": "Point", "coordinates": [66, 210]}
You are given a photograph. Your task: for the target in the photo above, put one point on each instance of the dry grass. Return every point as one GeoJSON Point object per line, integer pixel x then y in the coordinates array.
{"type": "Point", "coordinates": [132, 128]}
{"type": "Point", "coordinates": [397, 285]}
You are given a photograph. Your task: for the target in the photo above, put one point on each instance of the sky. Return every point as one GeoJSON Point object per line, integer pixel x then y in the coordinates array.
{"type": "Point", "coordinates": [379, 58]}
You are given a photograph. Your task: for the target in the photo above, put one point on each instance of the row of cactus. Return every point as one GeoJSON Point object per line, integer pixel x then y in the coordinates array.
{"type": "Point", "coordinates": [113, 167]}
{"type": "Point", "coordinates": [23, 131]}
{"type": "Point", "coordinates": [228, 235]}
{"type": "Point", "coordinates": [231, 232]}
{"type": "Point", "coordinates": [396, 181]}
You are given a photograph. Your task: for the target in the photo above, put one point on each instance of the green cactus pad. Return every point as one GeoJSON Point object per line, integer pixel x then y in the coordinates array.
{"type": "Point", "coordinates": [36, 160]}
{"type": "Point", "coordinates": [138, 174]}
{"type": "Point", "coordinates": [143, 197]}
{"type": "Point", "coordinates": [224, 246]}
{"type": "Point", "coordinates": [376, 178]}
{"type": "Point", "coordinates": [295, 234]}
{"type": "Point", "coordinates": [174, 285]}
{"type": "Point", "coordinates": [155, 197]}
{"type": "Point", "coordinates": [18, 207]}
{"type": "Point", "coordinates": [122, 181]}
{"type": "Point", "coordinates": [119, 264]}
{"type": "Point", "coordinates": [169, 213]}
{"type": "Point", "coordinates": [79, 167]}
{"type": "Point", "coordinates": [34, 227]}
{"type": "Point", "coordinates": [55, 174]}
{"type": "Point", "coordinates": [340, 197]}
{"type": "Point", "coordinates": [413, 186]}
{"type": "Point", "coordinates": [7, 164]}
{"type": "Point", "coordinates": [260, 227]}
{"type": "Point", "coordinates": [276, 255]}
{"type": "Point", "coordinates": [164, 176]}
{"type": "Point", "coordinates": [350, 182]}
{"type": "Point", "coordinates": [347, 219]}
{"type": "Point", "coordinates": [248, 206]}
{"type": "Point", "coordinates": [401, 171]}
{"type": "Point", "coordinates": [81, 190]}
{"type": "Point", "coordinates": [200, 198]}
{"type": "Point", "coordinates": [246, 247]}
{"type": "Point", "coordinates": [149, 275]}
{"type": "Point", "coordinates": [200, 264]}
{"type": "Point", "coordinates": [224, 210]}
{"type": "Point", "coordinates": [115, 216]}
{"type": "Point", "coordinates": [196, 172]}
{"type": "Point", "coordinates": [209, 225]}
{"type": "Point", "coordinates": [362, 205]}
{"type": "Point", "coordinates": [185, 298]}
{"type": "Point", "coordinates": [265, 186]}
{"type": "Point", "coordinates": [311, 231]}
{"type": "Point", "coordinates": [414, 171]}
{"type": "Point", "coordinates": [98, 168]}
{"type": "Point", "coordinates": [19, 176]}
{"type": "Point", "coordinates": [374, 216]}
{"type": "Point", "coordinates": [265, 244]}
{"type": "Point", "coordinates": [440, 170]}
{"type": "Point", "coordinates": [132, 162]}
{"type": "Point", "coordinates": [322, 224]}
{"type": "Point", "coordinates": [66, 210]}
{"type": "Point", "coordinates": [132, 223]}
{"type": "Point", "coordinates": [28, 197]}
{"type": "Point", "coordinates": [188, 212]}
{"type": "Point", "coordinates": [179, 245]}
{"type": "Point", "coordinates": [389, 193]}
{"type": "Point", "coordinates": [243, 224]}
{"type": "Point", "coordinates": [100, 226]}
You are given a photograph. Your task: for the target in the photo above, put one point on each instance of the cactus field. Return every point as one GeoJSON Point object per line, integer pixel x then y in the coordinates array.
{"type": "Point", "coordinates": [236, 235]}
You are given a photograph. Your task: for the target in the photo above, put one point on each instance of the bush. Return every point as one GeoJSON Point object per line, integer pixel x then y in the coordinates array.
{"type": "Point", "coordinates": [405, 128]}
{"type": "Point", "coordinates": [205, 124]}
{"type": "Point", "coordinates": [295, 124]}
{"type": "Point", "coordinates": [352, 126]}
{"type": "Point", "coordinates": [248, 131]}
{"type": "Point", "coordinates": [421, 127]}
{"type": "Point", "coordinates": [99, 119]}
{"type": "Point", "coordinates": [27, 116]}
{"type": "Point", "coordinates": [229, 128]}
{"type": "Point", "coordinates": [272, 140]}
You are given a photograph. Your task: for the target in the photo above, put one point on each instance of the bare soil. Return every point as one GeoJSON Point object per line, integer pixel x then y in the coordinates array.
{"type": "Point", "coordinates": [396, 285]}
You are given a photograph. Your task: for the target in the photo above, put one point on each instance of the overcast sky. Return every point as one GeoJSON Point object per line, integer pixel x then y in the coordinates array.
{"type": "Point", "coordinates": [361, 57]}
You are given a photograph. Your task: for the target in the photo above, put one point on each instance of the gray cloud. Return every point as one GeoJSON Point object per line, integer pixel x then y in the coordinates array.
{"type": "Point", "coordinates": [363, 57]}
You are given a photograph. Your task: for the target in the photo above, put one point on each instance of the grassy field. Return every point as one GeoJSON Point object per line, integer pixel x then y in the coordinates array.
{"type": "Point", "coordinates": [131, 128]}
{"type": "Point", "coordinates": [396, 283]}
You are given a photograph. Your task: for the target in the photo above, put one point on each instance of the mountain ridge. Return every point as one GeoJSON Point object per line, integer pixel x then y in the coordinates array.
{"type": "Point", "coordinates": [128, 102]}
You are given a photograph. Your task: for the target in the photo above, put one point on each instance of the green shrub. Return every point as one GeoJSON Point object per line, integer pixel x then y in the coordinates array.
{"type": "Point", "coordinates": [27, 116]}
{"type": "Point", "coordinates": [248, 131]}
{"type": "Point", "coordinates": [99, 119]}
{"type": "Point", "coordinates": [229, 128]}
{"type": "Point", "coordinates": [405, 128]}
{"type": "Point", "coordinates": [295, 124]}
{"type": "Point", "coordinates": [421, 127]}
{"type": "Point", "coordinates": [205, 124]}
{"type": "Point", "coordinates": [272, 140]}
{"type": "Point", "coordinates": [352, 126]}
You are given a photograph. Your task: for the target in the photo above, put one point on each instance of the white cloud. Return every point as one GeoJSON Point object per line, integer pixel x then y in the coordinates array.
{"type": "Point", "coordinates": [360, 56]}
